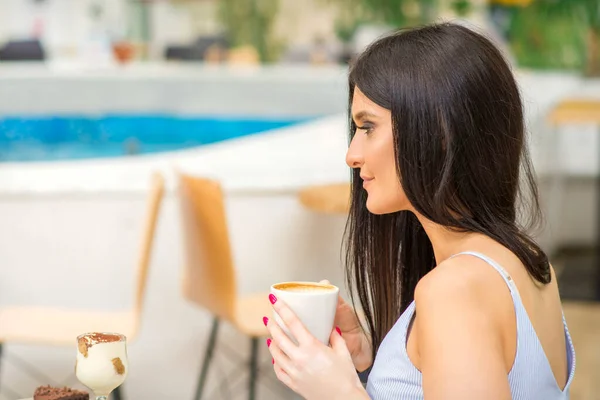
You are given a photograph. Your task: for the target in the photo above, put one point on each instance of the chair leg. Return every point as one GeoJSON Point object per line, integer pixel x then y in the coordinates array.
{"type": "Point", "coordinates": [253, 368]}
{"type": "Point", "coordinates": [117, 393]}
{"type": "Point", "coordinates": [207, 358]}
{"type": "Point", "coordinates": [1, 364]}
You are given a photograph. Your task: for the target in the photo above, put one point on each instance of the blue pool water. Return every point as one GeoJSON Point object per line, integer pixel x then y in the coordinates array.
{"type": "Point", "coordinates": [75, 137]}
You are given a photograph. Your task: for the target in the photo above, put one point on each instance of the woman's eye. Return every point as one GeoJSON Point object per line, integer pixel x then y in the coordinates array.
{"type": "Point", "coordinates": [367, 129]}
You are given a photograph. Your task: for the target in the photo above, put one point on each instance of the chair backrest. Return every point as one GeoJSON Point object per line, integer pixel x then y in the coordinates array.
{"type": "Point", "coordinates": [576, 111]}
{"type": "Point", "coordinates": [152, 211]}
{"type": "Point", "coordinates": [209, 275]}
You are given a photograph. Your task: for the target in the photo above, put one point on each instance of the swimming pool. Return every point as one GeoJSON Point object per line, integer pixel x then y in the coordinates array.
{"type": "Point", "coordinates": [47, 138]}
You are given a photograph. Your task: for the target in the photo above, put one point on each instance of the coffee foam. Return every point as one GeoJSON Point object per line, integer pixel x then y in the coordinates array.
{"type": "Point", "coordinates": [304, 287]}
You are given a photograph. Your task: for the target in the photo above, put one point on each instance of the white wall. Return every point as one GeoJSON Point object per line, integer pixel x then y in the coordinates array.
{"type": "Point", "coordinates": [181, 89]}
{"type": "Point", "coordinates": [64, 26]}
{"type": "Point", "coordinates": [17, 17]}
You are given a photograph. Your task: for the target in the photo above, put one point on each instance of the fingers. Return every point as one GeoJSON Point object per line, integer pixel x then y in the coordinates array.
{"type": "Point", "coordinates": [281, 339]}
{"type": "Point", "coordinates": [293, 323]}
{"type": "Point", "coordinates": [325, 282]}
{"type": "Point", "coordinates": [337, 342]}
{"type": "Point", "coordinates": [283, 376]}
{"type": "Point", "coordinates": [280, 359]}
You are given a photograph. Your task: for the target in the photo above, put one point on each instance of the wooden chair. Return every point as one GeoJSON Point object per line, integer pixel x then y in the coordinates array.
{"type": "Point", "coordinates": [576, 111]}
{"type": "Point", "coordinates": [328, 199]}
{"type": "Point", "coordinates": [209, 276]}
{"type": "Point", "coordinates": [60, 327]}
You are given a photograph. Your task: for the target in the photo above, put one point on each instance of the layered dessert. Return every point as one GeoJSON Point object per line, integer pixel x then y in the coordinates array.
{"type": "Point", "coordinates": [101, 361]}
{"type": "Point", "coordinates": [64, 393]}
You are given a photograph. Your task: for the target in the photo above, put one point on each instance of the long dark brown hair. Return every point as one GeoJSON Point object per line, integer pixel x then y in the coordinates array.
{"type": "Point", "coordinates": [461, 157]}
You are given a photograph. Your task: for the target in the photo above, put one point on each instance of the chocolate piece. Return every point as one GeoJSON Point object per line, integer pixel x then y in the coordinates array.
{"type": "Point", "coordinates": [65, 393]}
{"type": "Point", "coordinates": [118, 364]}
{"type": "Point", "coordinates": [83, 347]}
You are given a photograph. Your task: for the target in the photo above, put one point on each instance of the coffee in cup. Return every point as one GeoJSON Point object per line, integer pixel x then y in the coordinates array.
{"type": "Point", "coordinates": [314, 303]}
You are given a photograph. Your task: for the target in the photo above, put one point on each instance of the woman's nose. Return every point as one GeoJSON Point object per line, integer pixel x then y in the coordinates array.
{"type": "Point", "coordinates": [354, 157]}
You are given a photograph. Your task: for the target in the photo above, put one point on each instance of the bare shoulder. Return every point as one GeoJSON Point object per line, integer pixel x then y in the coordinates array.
{"type": "Point", "coordinates": [466, 302]}
{"type": "Point", "coordinates": [469, 290]}
{"type": "Point", "coordinates": [462, 278]}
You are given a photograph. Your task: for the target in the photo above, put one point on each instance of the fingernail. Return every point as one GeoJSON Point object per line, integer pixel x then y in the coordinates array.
{"type": "Point", "coordinates": [273, 360]}
{"type": "Point", "coordinates": [265, 320]}
{"type": "Point", "coordinates": [272, 298]}
{"type": "Point", "coordinates": [268, 342]}
{"type": "Point", "coordinates": [338, 330]}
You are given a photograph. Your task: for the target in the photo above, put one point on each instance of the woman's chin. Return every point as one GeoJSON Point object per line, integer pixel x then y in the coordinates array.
{"type": "Point", "coordinates": [380, 208]}
{"type": "Point", "coordinates": [375, 208]}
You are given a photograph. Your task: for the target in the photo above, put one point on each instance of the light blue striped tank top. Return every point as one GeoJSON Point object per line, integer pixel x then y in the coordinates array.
{"type": "Point", "coordinates": [394, 377]}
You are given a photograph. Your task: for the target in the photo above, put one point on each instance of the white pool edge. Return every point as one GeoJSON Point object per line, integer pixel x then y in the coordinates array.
{"type": "Point", "coordinates": [279, 160]}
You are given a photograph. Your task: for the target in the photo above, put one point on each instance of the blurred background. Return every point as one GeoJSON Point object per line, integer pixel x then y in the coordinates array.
{"type": "Point", "coordinates": [98, 95]}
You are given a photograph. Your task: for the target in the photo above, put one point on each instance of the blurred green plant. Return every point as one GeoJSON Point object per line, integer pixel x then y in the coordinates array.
{"type": "Point", "coordinates": [589, 11]}
{"type": "Point", "coordinates": [462, 7]}
{"type": "Point", "coordinates": [557, 34]}
{"type": "Point", "coordinates": [249, 23]}
{"type": "Point", "coordinates": [394, 13]}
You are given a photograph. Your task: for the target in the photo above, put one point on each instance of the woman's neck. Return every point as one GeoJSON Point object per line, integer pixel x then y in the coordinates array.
{"type": "Point", "coordinates": [446, 242]}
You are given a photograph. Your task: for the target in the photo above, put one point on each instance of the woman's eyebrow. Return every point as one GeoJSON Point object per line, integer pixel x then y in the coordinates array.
{"type": "Point", "coordinates": [362, 115]}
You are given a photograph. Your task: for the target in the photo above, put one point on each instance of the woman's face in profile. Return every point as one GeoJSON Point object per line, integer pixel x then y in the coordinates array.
{"type": "Point", "coordinates": [372, 151]}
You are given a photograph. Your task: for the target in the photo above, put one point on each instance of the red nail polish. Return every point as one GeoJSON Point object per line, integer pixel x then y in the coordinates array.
{"type": "Point", "coordinates": [265, 320]}
{"type": "Point", "coordinates": [272, 298]}
{"type": "Point", "coordinates": [268, 342]}
{"type": "Point", "coordinates": [273, 361]}
{"type": "Point", "coordinates": [338, 330]}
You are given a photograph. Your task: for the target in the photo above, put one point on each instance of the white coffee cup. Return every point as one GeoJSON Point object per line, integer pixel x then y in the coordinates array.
{"type": "Point", "coordinates": [314, 303]}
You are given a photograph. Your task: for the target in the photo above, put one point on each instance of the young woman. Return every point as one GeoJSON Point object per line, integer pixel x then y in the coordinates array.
{"type": "Point", "coordinates": [459, 302]}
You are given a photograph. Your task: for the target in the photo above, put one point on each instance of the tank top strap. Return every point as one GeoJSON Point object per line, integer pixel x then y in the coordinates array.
{"type": "Point", "coordinates": [505, 275]}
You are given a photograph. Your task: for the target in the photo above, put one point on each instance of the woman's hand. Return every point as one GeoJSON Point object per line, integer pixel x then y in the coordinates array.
{"type": "Point", "coordinates": [311, 369]}
{"type": "Point", "coordinates": [357, 341]}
